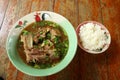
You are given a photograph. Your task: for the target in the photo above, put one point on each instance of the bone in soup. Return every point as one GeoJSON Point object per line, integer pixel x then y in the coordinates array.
{"type": "Point", "coordinates": [42, 44]}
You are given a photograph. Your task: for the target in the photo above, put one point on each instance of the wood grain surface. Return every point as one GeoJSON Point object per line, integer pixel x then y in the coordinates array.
{"type": "Point", "coordinates": [84, 66]}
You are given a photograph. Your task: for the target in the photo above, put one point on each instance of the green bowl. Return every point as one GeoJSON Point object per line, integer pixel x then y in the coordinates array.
{"type": "Point", "coordinates": [21, 24]}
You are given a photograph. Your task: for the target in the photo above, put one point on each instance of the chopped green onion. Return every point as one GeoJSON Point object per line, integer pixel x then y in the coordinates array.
{"type": "Point", "coordinates": [41, 32]}
{"type": "Point", "coordinates": [46, 42]}
{"type": "Point", "coordinates": [25, 32]}
{"type": "Point", "coordinates": [36, 66]}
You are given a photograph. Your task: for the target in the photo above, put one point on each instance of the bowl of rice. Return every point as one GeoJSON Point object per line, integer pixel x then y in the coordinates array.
{"type": "Point", "coordinates": [93, 37]}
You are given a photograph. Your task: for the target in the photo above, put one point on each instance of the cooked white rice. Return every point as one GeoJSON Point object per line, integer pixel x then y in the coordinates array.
{"type": "Point", "coordinates": [92, 37]}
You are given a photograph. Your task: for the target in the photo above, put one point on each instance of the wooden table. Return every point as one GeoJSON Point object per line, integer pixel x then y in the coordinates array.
{"type": "Point", "coordinates": [84, 66]}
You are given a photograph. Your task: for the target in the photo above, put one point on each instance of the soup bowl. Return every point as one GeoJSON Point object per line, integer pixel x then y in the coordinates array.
{"type": "Point", "coordinates": [11, 44]}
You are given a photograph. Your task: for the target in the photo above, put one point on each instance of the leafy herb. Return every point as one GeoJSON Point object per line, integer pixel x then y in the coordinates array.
{"type": "Point", "coordinates": [62, 48]}
{"type": "Point", "coordinates": [45, 23]}
{"type": "Point", "coordinates": [36, 66]}
{"type": "Point", "coordinates": [40, 39]}
{"type": "Point", "coordinates": [25, 32]}
{"type": "Point", "coordinates": [51, 44]}
{"type": "Point", "coordinates": [56, 39]}
{"type": "Point", "coordinates": [66, 43]}
{"type": "Point", "coordinates": [42, 66]}
{"type": "Point", "coordinates": [41, 32]}
{"type": "Point", "coordinates": [54, 25]}
{"type": "Point", "coordinates": [46, 42]}
{"type": "Point", "coordinates": [40, 24]}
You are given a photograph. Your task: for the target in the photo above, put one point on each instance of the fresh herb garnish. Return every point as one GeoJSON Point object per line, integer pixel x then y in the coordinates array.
{"type": "Point", "coordinates": [25, 32]}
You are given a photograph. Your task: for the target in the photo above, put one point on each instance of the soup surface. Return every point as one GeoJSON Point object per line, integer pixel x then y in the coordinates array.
{"type": "Point", "coordinates": [42, 44]}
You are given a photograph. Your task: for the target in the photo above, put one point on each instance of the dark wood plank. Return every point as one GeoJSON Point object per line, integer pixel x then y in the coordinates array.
{"type": "Point", "coordinates": [68, 9]}
{"type": "Point", "coordinates": [91, 67]}
{"type": "Point", "coordinates": [7, 22]}
{"type": "Point", "coordinates": [3, 7]}
{"type": "Point", "coordinates": [111, 19]}
{"type": "Point", "coordinates": [35, 5]}
{"type": "Point", "coordinates": [3, 62]}
{"type": "Point", "coordinates": [42, 5]}
{"type": "Point", "coordinates": [11, 72]}
{"type": "Point", "coordinates": [89, 10]}
{"type": "Point", "coordinates": [3, 56]}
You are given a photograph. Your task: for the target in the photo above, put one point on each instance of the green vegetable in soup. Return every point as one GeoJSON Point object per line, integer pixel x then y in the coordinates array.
{"type": "Point", "coordinates": [25, 32]}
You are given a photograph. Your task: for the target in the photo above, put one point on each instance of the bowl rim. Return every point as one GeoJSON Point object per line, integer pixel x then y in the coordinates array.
{"type": "Point", "coordinates": [66, 61]}
{"type": "Point", "coordinates": [78, 38]}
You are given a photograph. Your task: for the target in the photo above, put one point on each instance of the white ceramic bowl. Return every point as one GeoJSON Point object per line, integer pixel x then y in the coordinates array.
{"type": "Point", "coordinates": [106, 46]}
